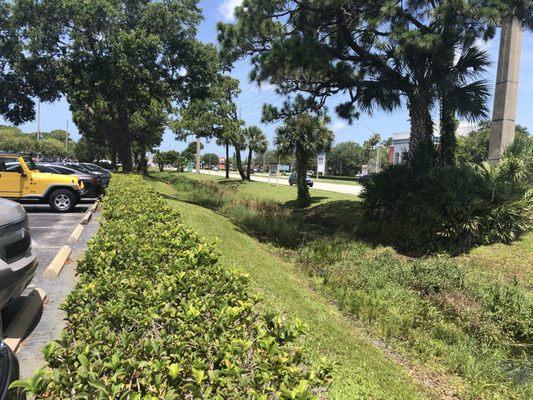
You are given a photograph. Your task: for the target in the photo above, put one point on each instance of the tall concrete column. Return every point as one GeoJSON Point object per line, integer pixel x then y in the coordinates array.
{"type": "Point", "coordinates": [506, 91]}
{"type": "Point", "coordinates": [198, 149]}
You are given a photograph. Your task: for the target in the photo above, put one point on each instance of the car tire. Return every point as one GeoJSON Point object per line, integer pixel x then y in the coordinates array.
{"type": "Point", "coordinates": [62, 200]}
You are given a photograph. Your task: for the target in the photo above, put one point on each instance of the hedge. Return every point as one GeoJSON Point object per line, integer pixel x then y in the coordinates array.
{"type": "Point", "coordinates": [155, 316]}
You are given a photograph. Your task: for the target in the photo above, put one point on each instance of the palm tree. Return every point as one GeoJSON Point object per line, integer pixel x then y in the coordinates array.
{"type": "Point", "coordinates": [304, 135]}
{"type": "Point", "coordinates": [256, 141]}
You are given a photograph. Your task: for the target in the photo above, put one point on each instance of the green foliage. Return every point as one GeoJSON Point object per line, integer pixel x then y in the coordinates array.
{"type": "Point", "coordinates": [155, 315]}
{"type": "Point", "coordinates": [119, 64]}
{"type": "Point", "coordinates": [303, 135]}
{"type": "Point", "coordinates": [448, 208]}
{"type": "Point", "coordinates": [435, 310]}
{"type": "Point", "coordinates": [381, 54]}
{"type": "Point", "coordinates": [52, 144]}
{"type": "Point", "coordinates": [474, 147]}
{"type": "Point", "coordinates": [345, 159]}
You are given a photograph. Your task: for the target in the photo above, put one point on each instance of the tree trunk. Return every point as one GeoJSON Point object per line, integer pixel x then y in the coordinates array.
{"type": "Point", "coordinates": [249, 165]}
{"type": "Point", "coordinates": [448, 126]}
{"type": "Point", "coordinates": [143, 162]}
{"type": "Point", "coordinates": [124, 146]}
{"type": "Point", "coordinates": [160, 167]}
{"type": "Point", "coordinates": [304, 199]}
{"type": "Point", "coordinates": [226, 164]}
{"type": "Point", "coordinates": [238, 161]}
{"type": "Point", "coordinates": [421, 148]}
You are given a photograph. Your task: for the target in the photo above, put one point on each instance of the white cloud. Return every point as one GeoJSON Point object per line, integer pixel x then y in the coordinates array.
{"type": "Point", "coordinates": [227, 8]}
{"type": "Point", "coordinates": [338, 125]}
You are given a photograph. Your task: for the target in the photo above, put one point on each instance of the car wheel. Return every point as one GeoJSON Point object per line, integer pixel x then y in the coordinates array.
{"type": "Point", "coordinates": [62, 200]}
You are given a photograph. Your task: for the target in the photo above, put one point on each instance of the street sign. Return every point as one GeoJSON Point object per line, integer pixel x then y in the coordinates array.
{"type": "Point", "coordinates": [321, 164]}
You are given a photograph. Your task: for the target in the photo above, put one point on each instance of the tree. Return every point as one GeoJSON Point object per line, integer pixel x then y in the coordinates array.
{"type": "Point", "coordinates": [14, 140]}
{"type": "Point", "coordinates": [23, 78]}
{"type": "Point", "coordinates": [210, 159]}
{"type": "Point", "coordinates": [163, 158]}
{"type": "Point", "coordinates": [346, 159]}
{"type": "Point", "coordinates": [380, 53]}
{"type": "Point", "coordinates": [52, 148]}
{"type": "Point", "coordinates": [122, 63]}
{"type": "Point", "coordinates": [474, 147]}
{"type": "Point", "coordinates": [304, 135]}
{"type": "Point", "coordinates": [215, 115]}
{"type": "Point", "coordinates": [190, 151]}
{"type": "Point", "coordinates": [256, 141]}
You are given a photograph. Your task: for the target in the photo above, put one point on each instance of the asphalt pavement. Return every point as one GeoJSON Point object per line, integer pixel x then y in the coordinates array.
{"type": "Point", "coordinates": [327, 186]}
{"type": "Point", "coordinates": [50, 231]}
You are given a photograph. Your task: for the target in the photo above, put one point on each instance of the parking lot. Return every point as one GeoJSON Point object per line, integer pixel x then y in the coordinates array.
{"type": "Point", "coordinates": [50, 232]}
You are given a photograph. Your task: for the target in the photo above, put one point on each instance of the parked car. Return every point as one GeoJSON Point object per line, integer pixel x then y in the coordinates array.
{"type": "Point", "coordinates": [92, 183]}
{"type": "Point", "coordinates": [21, 180]}
{"type": "Point", "coordinates": [105, 173]}
{"type": "Point", "coordinates": [363, 178]}
{"type": "Point", "coordinates": [293, 177]}
{"type": "Point", "coordinates": [104, 176]}
{"type": "Point", "coordinates": [18, 258]}
{"type": "Point", "coordinates": [9, 371]}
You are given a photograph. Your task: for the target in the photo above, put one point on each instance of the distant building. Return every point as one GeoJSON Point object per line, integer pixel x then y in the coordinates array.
{"type": "Point", "coordinates": [400, 141]}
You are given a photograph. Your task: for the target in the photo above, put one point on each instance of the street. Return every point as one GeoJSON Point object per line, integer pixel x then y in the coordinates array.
{"type": "Point", "coordinates": [330, 187]}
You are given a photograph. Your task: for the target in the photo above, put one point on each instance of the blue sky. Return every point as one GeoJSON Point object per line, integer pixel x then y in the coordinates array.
{"type": "Point", "coordinates": [56, 115]}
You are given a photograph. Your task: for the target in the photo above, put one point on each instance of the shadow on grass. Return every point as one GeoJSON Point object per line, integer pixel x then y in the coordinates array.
{"type": "Point", "coordinates": [285, 224]}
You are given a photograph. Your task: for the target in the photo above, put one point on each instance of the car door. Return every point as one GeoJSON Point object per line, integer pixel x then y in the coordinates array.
{"type": "Point", "coordinates": [11, 179]}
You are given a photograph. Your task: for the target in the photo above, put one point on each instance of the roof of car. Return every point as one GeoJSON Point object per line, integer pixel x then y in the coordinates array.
{"type": "Point", "coordinates": [3, 154]}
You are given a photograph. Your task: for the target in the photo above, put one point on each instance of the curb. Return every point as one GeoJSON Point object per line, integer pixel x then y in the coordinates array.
{"type": "Point", "coordinates": [54, 268]}
{"type": "Point", "coordinates": [17, 330]}
{"type": "Point", "coordinates": [76, 233]}
{"type": "Point", "coordinates": [88, 215]}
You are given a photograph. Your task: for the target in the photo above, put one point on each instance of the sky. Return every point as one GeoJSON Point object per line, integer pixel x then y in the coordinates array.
{"type": "Point", "coordinates": [252, 97]}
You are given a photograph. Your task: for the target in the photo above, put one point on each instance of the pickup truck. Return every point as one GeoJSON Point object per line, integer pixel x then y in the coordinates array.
{"type": "Point", "coordinates": [21, 180]}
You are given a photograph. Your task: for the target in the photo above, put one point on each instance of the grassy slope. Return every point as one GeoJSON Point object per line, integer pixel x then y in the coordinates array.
{"type": "Point", "coordinates": [495, 261]}
{"type": "Point", "coordinates": [362, 370]}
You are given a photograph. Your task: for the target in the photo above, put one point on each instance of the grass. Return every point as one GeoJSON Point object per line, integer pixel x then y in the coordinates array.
{"type": "Point", "coordinates": [463, 324]}
{"type": "Point", "coordinates": [362, 371]}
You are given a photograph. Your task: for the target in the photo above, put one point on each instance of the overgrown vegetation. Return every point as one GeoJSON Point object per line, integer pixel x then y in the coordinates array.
{"type": "Point", "coordinates": [436, 311]}
{"type": "Point", "coordinates": [449, 208]}
{"type": "Point", "coordinates": [156, 316]}
{"type": "Point", "coordinates": [468, 322]}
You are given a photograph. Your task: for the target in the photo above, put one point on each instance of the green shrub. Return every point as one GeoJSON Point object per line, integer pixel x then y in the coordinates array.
{"type": "Point", "coordinates": [448, 208]}
{"type": "Point", "coordinates": [155, 316]}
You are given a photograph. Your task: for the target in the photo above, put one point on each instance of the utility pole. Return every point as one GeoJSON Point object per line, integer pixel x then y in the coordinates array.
{"type": "Point", "coordinates": [38, 120]}
{"type": "Point", "coordinates": [66, 138]}
{"type": "Point", "coordinates": [198, 149]}
{"type": "Point", "coordinates": [506, 94]}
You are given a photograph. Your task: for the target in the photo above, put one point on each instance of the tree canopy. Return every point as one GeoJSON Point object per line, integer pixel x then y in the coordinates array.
{"type": "Point", "coordinates": [380, 54]}
{"type": "Point", "coordinates": [122, 65]}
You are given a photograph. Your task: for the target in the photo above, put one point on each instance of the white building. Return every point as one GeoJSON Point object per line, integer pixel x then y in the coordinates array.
{"type": "Point", "coordinates": [400, 140]}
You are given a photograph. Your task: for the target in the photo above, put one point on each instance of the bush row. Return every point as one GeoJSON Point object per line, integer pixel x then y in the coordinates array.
{"type": "Point", "coordinates": [435, 310]}
{"type": "Point", "coordinates": [155, 316]}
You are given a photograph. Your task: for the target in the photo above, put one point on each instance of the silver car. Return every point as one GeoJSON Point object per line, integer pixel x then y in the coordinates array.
{"type": "Point", "coordinates": [18, 257]}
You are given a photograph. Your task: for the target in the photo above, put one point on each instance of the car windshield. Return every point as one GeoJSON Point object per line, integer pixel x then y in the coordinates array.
{"type": "Point", "coordinates": [12, 164]}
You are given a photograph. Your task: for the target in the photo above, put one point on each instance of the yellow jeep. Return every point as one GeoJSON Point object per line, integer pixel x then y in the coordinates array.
{"type": "Point", "coordinates": [21, 180]}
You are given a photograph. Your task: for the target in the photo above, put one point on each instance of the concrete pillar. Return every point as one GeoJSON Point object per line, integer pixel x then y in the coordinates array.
{"type": "Point", "coordinates": [198, 149]}
{"type": "Point", "coordinates": [506, 91]}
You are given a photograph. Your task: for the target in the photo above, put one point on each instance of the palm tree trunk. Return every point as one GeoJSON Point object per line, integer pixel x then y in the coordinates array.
{"type": "Point", "coordinates": [249, 165]}
{"type": "Point", "coordinates": [238, 161]}
{"type": "Point", "coordinates": [226, 164]}
{"type": "Point", "coordinates": [448, 126]}
{"type": "Point", "coordinates": [421, 148]}
{"type": "Point", "coordinates": [304, 199]}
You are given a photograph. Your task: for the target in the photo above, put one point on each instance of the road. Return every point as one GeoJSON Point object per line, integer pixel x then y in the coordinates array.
{"type": "Point", "coordinates": [327, 186]}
